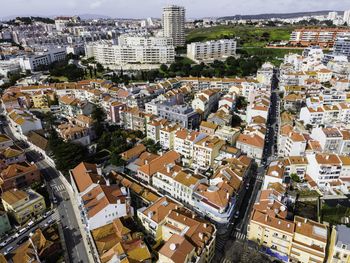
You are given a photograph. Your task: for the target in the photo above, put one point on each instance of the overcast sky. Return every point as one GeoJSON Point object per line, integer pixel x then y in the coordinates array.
{"type": "Point", "coordinates": [152, 8]}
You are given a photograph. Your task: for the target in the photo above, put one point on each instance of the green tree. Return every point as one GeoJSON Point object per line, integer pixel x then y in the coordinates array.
{"type": "Point", "coordinates": [115, 159]}
{"type": "Point", "coordinates": [98, 116]}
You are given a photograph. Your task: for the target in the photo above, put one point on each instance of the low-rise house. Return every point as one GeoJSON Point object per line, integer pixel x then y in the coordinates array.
{"type": "Point", "coordinates": [154, 216]}
{"type": "Point", "coordinates": [19, 175]}
{"type": "Point", "coordinates": [252, 145]}
{"type": "Point", "coordinates": [205, 151]}
{"type": "Point", "coordinates": [201, 234]}
{"type": "Point", "coordinates": [74, 133]}
{"type": "Point", "coordinates": [71, 106]}
{"type": "Point", "coordinates": [275, 174]}
{"type": "Point", "coordinates": [309, 241]}
{"type": "Point", "coordinates": [11, 155]}
{"type": "Point", "coordinates": [5, 141]}
{"type": "Point", "coordinates": [228, 134]}
{"type": "Point", "coordinates": [295, 165]}
{"type": "Point", "coordinates": [100, 202]}
{"type": "Point", "coordinates": [133, 153]}
{"type": "Point", "coordinates": [133, 119]}
{"type": "Point", "coordinates": [21, 122]}
{"type": "Point", "coordinates": [208, 128]}
{"type": "Point", "coordinates": [43, 245]}
{"type": "Point", "coordinates": [116, 243]}
{"type": "Point", "coordinates": [147, 170]}
{"type": "Point", "coordinates": [177, 249]}
{"type": "Point", "coordinates": [23, 205]}
{"type": "Point", "coordinates": [221, 117]}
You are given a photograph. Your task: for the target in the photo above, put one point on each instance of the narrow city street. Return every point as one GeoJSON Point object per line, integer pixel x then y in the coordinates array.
{"type": "Point", "coordinates": [236, 231]}
{"type": "Point", "coordinates": [77, 251]}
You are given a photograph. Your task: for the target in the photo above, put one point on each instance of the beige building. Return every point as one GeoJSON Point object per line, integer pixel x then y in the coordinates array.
{"type": "Point", "coordinates": [23, 205]}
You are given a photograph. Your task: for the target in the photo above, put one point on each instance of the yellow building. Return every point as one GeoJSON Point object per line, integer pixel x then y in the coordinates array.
{"type": "Point", "coordinates": [339, 247]}
{"type": "Point", "coordinates": [40, 100]}
{"type": "Point", "coordinates": [269, 228]}
{"type": "Point", "coordinates": [23, 205]}
{"type": "Point", "coordinates": [301, 241]}
{"type": "Point", "coordinates": [309, 241]}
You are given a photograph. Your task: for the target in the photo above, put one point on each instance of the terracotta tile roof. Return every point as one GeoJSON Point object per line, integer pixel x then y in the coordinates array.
{"type": "Point", "coordinates": [38, 140]}
{"type": "Point", "coordinates": [100, 197]}
{"type": "Point", "coordinates": [133, 152]}
{"type": "Point", "coordinates": [160, 209]}
{"type": "Point", "coordinates": [177, 248]}
{"type": "Point", "coordinates": [85, 174]}
{"type": "Point", "coordinates": [4, 138]}
{"type": "Point", "coordinates": [327, 159]}
{"type": "Point", "coordinates": [251, 139]}
{"type": "Point", "coordinates": [209, 125]}
{"type": "Point", "coordinates": [310, 229]}
{"type": "Point", "coordinates": [155, 165]}
{"type": "Point", "coordinates": [273, 222]}
{"type": "Point", "coordinates": [13, 196]}
{"type": "Point", "coordinates": [16, 169]}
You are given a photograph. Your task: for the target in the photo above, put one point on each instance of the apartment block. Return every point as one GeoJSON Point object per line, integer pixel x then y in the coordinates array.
{"type": "Point", "coordinates": [23, 205]}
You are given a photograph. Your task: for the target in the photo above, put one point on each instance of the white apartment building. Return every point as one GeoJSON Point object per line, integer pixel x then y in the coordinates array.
{"type": "Point", "coordinates": [184, 141]}
{"type": "Point", "coordinates": [323, 168]}
{"type": "Point", "coordinates": [9, 67]}
{"type": "Point", "coordinates": [99, 202]}
{"type": "Point", "coordinates": [132, 51]}
{"type": "Point", "coordinates": [211, 50]}
{"type": "Point", "coordinates": [205, 151]}
{"type": "Point", "coordinates": [330, 139]}
{"type": "Point", "coordinates": [177, 182]}
{"type": "Point", "coordinates": [173, 21]}
{"type": "Point", "coordinates": [206, 101]}
{"type": "Point", "coordinates": [21, 122]}
{"type": "Point", "coordinates": [45, 58]}
{"type": "Point", "coordinates": [346, 17]}
{"type": "Point", "coordinates": [295, 144]}
{"type": "Point", "coordinates": [251, 144]}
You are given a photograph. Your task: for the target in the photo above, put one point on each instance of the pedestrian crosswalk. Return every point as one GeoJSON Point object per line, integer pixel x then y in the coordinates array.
{"type": "Point", "coordinates": [239, 235]}
{"type": "Point", "coordinates": [55, 216]}
{"type": "Point", "coordinates": [58, 188]}
{"type": "Point", "coordinates": [226, 261]}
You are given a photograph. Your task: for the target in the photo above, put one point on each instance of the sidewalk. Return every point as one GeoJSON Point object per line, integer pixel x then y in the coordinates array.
{"type": "Point", "coordinates": [78, 218]}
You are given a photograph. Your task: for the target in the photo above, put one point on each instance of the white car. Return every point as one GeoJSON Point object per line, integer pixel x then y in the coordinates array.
{"type": "Point", "coordinates": [8, 250]}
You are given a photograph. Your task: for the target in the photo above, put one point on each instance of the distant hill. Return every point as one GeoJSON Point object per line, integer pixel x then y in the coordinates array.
{"type": "Point", "coordinates": [278, 15]}
{"type": "Point", "coordinates": [93, 16]}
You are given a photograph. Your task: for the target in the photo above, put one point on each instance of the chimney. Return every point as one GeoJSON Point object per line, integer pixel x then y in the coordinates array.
{"type": "Point", "coordinates": [146, 161]}
{"type": "Point", "coordinates": [227, 196]}
{"type": "Point", "coordinates": [200, 236]}
{"type": "Point", "coordinates": [168, 168]}
{"type": "Point", "coordinates": [305, 220]}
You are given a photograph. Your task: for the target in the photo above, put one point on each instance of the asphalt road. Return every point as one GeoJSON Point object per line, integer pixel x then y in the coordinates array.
{"type": "Point", "coordinates": [74, 243]}
{"type": "Point", "coordinates": [42, 224]}
{"type": "Point", "coordinates": [238, 228]}
{"type": "Point", "coordinates": [76, 249]}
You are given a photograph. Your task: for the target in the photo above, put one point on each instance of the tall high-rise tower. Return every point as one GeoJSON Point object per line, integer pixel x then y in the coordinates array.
{"type": "Point", "coordinates": [347, 17]}
{"type": "Point", "coordinates": [174, 24]}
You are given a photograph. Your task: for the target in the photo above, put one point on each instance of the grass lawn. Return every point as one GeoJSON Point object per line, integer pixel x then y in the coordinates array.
{"type": "Point", "coordinates": [249, 36]}
{"type": "Point", "coordinates": [60, 78]}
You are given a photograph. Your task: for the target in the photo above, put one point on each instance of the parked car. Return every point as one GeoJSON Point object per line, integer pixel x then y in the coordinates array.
{"type": "Point", "coordinates": [8, 250]}
{"type": "Point", "coordinates": [22, 240]}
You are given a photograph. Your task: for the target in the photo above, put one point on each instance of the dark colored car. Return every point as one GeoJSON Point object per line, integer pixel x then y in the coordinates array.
{"type": "Point", "coordinates": [22, 240]}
